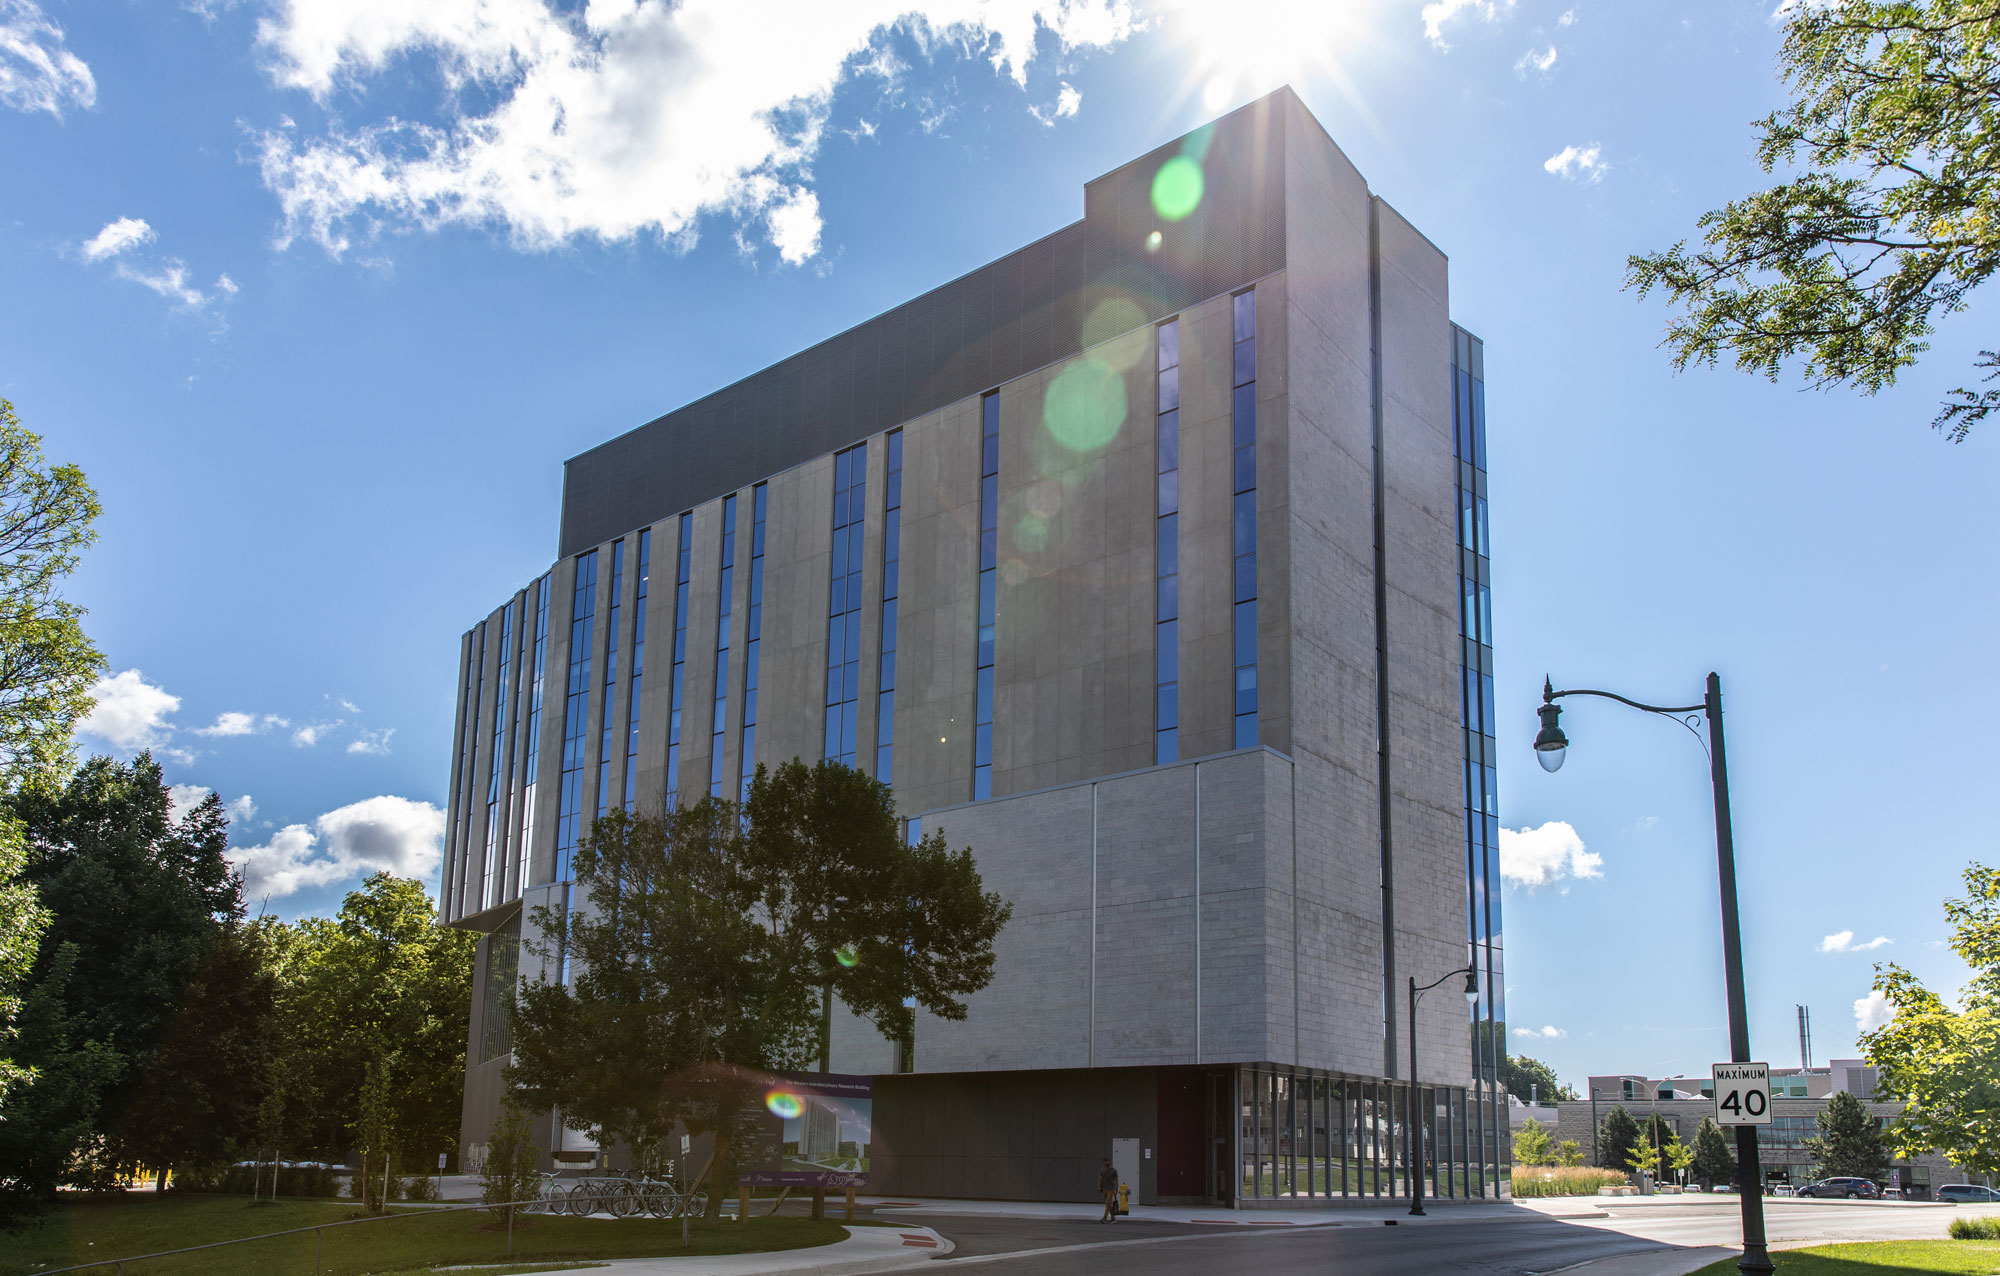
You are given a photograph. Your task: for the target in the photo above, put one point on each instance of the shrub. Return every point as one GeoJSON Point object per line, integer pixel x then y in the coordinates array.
{"type": "Point", "coordinates": [418, 1188]}
{"type": "Point", "coordinates": [241, 1180]}
{"type": "Point", "coordinates": [1564, 1180]}
{"type": "Point", "coordinates": [1976, 1229]}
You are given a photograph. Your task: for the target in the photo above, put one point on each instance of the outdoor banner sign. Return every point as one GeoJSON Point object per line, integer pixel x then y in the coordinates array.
{"type": "Point", "coordinates": [812, 1131]}
{"type": "Point", "coordinates": [1742, 1093]}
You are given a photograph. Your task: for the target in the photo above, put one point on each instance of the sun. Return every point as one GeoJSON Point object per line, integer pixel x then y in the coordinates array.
{"type": "Point", "coordinates": [1238, 49]}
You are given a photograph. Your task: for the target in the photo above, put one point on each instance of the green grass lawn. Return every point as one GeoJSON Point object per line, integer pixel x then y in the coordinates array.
{"type": "Point", "coordinates": [85, 1230]}
{"type": "Point", "coordinates": [1881, 1258]}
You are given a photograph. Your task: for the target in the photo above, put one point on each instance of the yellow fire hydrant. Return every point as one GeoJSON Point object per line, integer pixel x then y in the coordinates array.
{"type": "Point", "coordinates": [1124, 1198]}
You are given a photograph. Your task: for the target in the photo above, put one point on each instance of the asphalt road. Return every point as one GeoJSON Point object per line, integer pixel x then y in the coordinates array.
{"type": "Point", "coordinates": [1518, 1246]}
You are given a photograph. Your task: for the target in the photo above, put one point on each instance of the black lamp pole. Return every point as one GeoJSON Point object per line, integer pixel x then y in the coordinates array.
{"type": "Point", "coordinates": [1413, 1139]}
{"type": "Point", "coordinates": [1550, 744]}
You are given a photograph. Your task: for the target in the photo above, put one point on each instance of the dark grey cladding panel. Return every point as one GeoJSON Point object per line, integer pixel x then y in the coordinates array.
{"type": "Point", "coordinates": [1005, 319]}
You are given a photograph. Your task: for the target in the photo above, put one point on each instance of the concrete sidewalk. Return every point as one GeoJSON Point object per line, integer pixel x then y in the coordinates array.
{"type": "Point", "coordinates": [866, 1249]}
{"type": "Point", "coordinates": [1654, 1262]}
{"type": "Point", "coordinates": [1373, 1215]}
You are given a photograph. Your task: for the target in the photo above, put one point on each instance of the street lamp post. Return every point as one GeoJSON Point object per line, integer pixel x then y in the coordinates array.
{"type": "Point", "coordinates": [1413, 1142]}
{"type": "Point", "coordinates": [1550, 745]}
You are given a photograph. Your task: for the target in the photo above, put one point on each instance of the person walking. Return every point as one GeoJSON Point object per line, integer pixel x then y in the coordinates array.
{"type": "Point", "coordinates": [1107, 1186]}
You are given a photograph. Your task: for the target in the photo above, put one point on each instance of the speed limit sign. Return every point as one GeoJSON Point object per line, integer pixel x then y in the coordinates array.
{"type": "Point", "coordinates": [1742, 1093]}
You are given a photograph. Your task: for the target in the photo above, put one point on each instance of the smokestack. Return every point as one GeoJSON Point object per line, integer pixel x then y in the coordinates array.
{"type": "Point", "coordinates": [1805, 1037]}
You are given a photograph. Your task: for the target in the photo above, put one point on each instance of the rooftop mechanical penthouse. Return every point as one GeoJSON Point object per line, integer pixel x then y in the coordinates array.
{"type": "Point", "coordinates": [1149, 561]}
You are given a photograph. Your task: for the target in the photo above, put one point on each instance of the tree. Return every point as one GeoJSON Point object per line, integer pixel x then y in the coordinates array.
{"type": "Point", "coordinates": [1527, 1078]}
{"type": "Point", "coordinates": [1569, 1152]}
{"type": "Point", "coordinates": [1616, 1136]}
{"type": "Point", "coordinates": [1944, 1064]}
{"type": "Point", "coordinates": [1680, 1158]}
{"type": "Point", "coordinates": [22, 921]}
{"type": "Point", "coordinates": [1532, 1144]}
{"type": "Point", "coordinates": [1888, 220]}
{"type": "Point", "coordinates": [137, 902]}
{"type": "Point", "coordinates": [380, 982]}
{"type": "Point", "coordinates": [1714, 1161]}
{"type": "Point", "coordinates": [214, 1061]}
{"type": "Point", "coordinates": [710, 935]}
{"type": "Point", "coordinates": [1654, 1150]}
{"type": "Point", "coordinates": [47, 665]}
{"type": "Point", "coordinates": [49, 1121]}
{"type": "Point", "coordinates": [1849, 1143]}
{"type": "Point", "coordinates": [511, 1158]}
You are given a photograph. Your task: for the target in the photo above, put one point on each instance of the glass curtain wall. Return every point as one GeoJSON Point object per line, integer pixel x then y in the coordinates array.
{"type": "Point", "coordinates": [843, 623]}
{"type": "Point", "coordinates": [474, 691]}
{"type": "Point", "coordinates": [683, 556]}
{"type": "Point", "coordinates": [892, 556]}
{"type": "Point", "coordinates": [989, 558]}
{"type": "Point", "coordinates": [1243, 415]}
{"type": "Point", "coordinates": [638, 667]}
{"type": "Point", "coordinates": [753, 637]}
{"type": "Point", "coordinates": [1167, 616]}
{"type": "Point", "coordinates": [725, 588]}
{"type": "Point", "coordinates": [1482, 799]}
{"type": "Point", "coordinates": [604, 716]}
{"type": "Point", "coordinates": [1306, 1134]}
{"type": "Point", "coordinates": [576, 711]}
{"type": "Point", "coordinates": [489, 880]}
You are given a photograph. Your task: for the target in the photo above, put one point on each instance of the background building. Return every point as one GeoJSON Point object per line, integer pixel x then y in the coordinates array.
{"type": "Point", "coordinates": [1149, 561]}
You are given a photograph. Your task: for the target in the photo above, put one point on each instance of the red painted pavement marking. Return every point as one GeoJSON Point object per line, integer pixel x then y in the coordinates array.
{"type": "Point", "coordinates": [918, 1241]}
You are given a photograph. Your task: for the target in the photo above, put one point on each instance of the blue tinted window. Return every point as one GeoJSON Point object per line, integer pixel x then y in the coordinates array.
{"type": "Point", "coordinates": [1243, 531]}
{"type": "Point", "coordinates": [753, 632]}
{"type": "Point", "coordinates": [843, 656]}
{"type": "Point", "coordinates": [989, 517]}
{"type": "Point", "coordinates": [677, 678]}
{"type": "Point", "coordinates": [576, 711]}
{"type": "Point", "coordinates": [1167, 461]}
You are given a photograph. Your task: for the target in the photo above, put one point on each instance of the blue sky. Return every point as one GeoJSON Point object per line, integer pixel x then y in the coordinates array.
{"type": "Point", "coordinates": [326, 388]}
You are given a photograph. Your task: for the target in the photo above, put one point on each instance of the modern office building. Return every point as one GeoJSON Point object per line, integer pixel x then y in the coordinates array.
{"type": "Point", "coordinates": [1150, 562]}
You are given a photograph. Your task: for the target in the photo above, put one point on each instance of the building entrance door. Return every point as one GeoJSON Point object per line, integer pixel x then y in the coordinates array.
{"type": "Point", "coordinates": [1125, 1159]}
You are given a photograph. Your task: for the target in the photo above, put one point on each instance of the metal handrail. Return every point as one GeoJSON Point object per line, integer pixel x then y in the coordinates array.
{"type": "Point", "coordinates": [431, 1211]}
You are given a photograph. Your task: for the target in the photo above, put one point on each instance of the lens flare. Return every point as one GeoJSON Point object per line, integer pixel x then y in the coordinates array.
{"type": "Point", "coordinates": [1084, 407]}
{"type": "Point", "coordinates": [1154, 240]}
{"type": "Point", "coordinates": [1177, 188]}
{"type": "Point", "coordinates": [784, 1104]}
{"type": "Point", "coordinates": [847, 956]}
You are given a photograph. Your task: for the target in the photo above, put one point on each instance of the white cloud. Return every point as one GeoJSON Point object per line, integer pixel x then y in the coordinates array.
{"type": "Point", "coordinates": [234, 723]}
{"type": "Point", "coordinates": [116, 237]}
{"type": "Point", "coordinates": [1541, 856]}
{"type": "Point", "coordinates": [312, 733]}
{"type": "Point", "coordinates": [1533, 61]}
{"type": "Point", "coordinates": [1438, 12]}
{"type": "Point", "coordinates": [1872, 1012]}
{"type": "Point", "coordinates": [372, 742]}
{"type": "Point", "coordinates": [1843, 942]}
{"type": "Point", "coordinates": [1547, 1033]}
{"type": "Point", "coordinates": [1069, 101]}
{"type": "Point", "coordinates": [182, 798]}
{"type": "Point", "coordinates": [389, 834]}
{"type": "Point", "coordinates": [612, 120]}
{"type": "Point", "coordinates": [242, 810]}
{"type": "Point", "coordinates": [130, 713]}
{"type": "Point", "coordinates": [1568, 18]}
{"type": "Point", "coordinates": [1573, 162]}
{"type": "Point", "coordinates": [36, 72]}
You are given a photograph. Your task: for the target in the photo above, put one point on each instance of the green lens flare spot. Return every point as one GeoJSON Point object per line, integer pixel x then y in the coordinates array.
{"type": "Point", "coordinates": [1177, 188]}
{"type": "Point", "coordinates": [1084, 407]}
{"type": "Point", "coordinates": [847, 956]}
{"type": "Point", "coordinates": [784, 1105]}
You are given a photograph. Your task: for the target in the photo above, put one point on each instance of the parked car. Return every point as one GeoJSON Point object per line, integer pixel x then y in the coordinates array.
{"type": "Point", "coordinates": [1967, 1194]}
{"type": "Point", "coordinates": [1782, 1189]}
{"type": "Point", "coordinates": [1850, 1189]}
{"type": "Point", "coordinates": [1892, 1193]}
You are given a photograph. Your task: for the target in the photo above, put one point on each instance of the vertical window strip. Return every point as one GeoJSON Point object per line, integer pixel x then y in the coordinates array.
{"type": "Point", "coordinates": [531, 737]}
{"type": "Point", "coordinates": [725, 586]}
{"type": "Point", "coordinates": [1244, 517]}
{"type": "Point", "coordinates": [677, 680]}
{"type": "Point", "coordinates": [638, 667]}
{"type": "Point", "coordinates": [892, 555]}
{"type": "Point", "coordinates": [989, 547]}
{"type": "Point", "coordinates": [604, 715]}
{"type": "Point", "coordinates": [470, 786]}
{"type": "Point", "coordinates": [753, 637]}
{"type": "Point", "coordinates": [1166, 619]}
{"type": "Point", "coordinates": [468, 707]}
{"type": "Point", "coordinates": [843, 623]}
{"type": "Point", "coordinates": [576, 711]}
{"type": "Point", "coordinates": [489, 881]}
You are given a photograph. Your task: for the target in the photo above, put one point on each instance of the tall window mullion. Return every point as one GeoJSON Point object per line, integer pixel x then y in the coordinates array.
{"type": "Point", "coordinates": [892, 555]}
{"type": "Point", "coordinates": [610, 676]}
{"type": "Point", "coordinates": [475, 691]}
{"type": "Point", "coordinates": [1167, 614]}
{"type": "Point", "coordinates": [677, 680]}
{"type": "Point", "coordinates": [753, 637]}
{"type": "Point", "coordinates": [989, 556]}
{"type": "Point", "coordinates": [576, 711]}
{"type": "Point", "coordinates": [638, 667]}
{"type": "Point", "coordinates": [843, 610]}
{"type": "Point", "coordinates": [1243, 521]}
{"type": "Point", "coordinates": [726, 587]}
